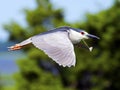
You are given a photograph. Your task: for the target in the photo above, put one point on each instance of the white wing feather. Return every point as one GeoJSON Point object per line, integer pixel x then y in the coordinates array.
{"type": "Point", "coordinates": [25, 42]}
{"type": "Point", "coordinates": [57, 46]}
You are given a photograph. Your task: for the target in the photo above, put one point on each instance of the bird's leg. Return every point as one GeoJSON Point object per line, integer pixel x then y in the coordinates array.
{"type": "Point", "coordinates": [15, 47]}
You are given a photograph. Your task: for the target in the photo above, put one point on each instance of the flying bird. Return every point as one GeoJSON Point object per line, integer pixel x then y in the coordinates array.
{"type": "Point", "coordinates": [58, 44]}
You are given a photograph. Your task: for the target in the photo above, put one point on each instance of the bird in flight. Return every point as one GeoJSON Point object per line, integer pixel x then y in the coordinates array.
{"type": "Point", "coordinates": [58, 44]}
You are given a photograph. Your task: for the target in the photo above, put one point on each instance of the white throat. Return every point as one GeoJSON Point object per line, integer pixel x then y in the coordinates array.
{"type": "Point", "coordinates": [74, 36]}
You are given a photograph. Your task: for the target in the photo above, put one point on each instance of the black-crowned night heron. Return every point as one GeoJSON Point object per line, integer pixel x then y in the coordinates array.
{"type": "Point", "coordinates": [58, 44]}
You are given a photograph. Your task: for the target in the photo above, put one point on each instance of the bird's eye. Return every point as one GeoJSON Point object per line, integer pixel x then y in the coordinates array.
{"type": "Point", "coordinates": [82, 33]}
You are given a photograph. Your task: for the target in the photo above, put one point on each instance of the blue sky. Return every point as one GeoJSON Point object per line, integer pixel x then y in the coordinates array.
{"type": "Point", "coordinates": [12, 10]}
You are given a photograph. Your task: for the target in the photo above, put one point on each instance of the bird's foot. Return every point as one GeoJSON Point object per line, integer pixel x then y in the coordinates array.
{"type": "Point", "coordinates": [15, 47]}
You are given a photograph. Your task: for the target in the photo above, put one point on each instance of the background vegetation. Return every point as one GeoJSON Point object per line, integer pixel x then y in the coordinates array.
{"type": "Point", "coordinates": [98, 70]}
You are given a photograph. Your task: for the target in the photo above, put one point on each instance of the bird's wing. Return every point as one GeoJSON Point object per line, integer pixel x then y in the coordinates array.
{"type": "Point", "coordinates": [25, 42]}
{"type": "Point", "coordinates": [57, 46]}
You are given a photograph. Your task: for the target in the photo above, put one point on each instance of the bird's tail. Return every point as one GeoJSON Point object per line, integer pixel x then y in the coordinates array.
{"type": "Point", "coordinates": [20, 45]}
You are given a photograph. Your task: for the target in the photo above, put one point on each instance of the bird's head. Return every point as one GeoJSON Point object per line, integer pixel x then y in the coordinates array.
{"type": "Point", "coordinates": [76, 35]}
{"type": "Point", "coordinates": [81, 34]}
{"type": "Point", "coordinates": [85, 35]}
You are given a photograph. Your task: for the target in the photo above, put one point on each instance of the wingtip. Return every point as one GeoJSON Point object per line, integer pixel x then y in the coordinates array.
{"type": "Point", "coordinates": [67, 65]}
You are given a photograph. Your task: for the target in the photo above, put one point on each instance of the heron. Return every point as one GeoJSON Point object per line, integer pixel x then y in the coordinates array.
{"type": "Point", "coordinates": [58, 44]}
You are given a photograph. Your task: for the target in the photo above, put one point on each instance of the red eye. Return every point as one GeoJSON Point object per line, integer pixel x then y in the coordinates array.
{"type": "Point", "coordinates": [82, 33]}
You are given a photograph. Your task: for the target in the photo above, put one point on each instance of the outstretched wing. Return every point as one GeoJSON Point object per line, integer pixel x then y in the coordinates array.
{"type": "Point", "coordinates": [57, 46]}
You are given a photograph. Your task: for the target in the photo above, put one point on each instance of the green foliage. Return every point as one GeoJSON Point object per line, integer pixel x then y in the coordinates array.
{"type": "Point", "coordinates": [105, 58]}
{"type": "Point", "coordinates": [1, 85]}
{"type": "Point", "coordinates": [32, 77]}
{"type": "Point", "coordinates": [98, 70]}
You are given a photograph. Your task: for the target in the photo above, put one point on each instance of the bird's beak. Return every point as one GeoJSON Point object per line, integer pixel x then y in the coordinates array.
{"type": "Point", "coordinates": [92, 36]}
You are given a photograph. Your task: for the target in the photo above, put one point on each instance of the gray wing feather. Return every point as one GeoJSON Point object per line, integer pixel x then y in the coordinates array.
{"type": "Point", "coordinates": [25, 42]}
{"type": "Point", "coordinates": [57, 46]}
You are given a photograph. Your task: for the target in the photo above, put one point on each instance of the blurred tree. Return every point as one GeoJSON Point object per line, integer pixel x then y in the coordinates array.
{"type": "Point", "coordinates": [98, 70]}
{"type": "Point", "coordinates": [1, 82]}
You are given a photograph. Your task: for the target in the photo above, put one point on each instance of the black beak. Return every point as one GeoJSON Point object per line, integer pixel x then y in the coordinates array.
{"type": "Point", "coordinates": [92, 36]}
